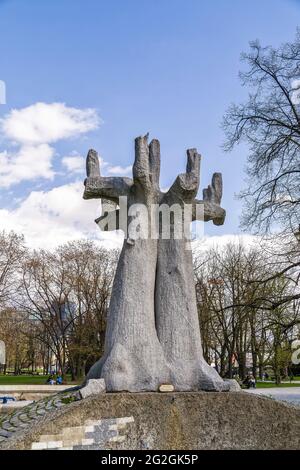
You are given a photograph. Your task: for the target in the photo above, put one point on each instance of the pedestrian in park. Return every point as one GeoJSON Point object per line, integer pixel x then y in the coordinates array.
{"type": "Point", "coordinates": [59, 380]}
{"type": "Point", "coordinates": [50, 380]}
{"type": "Point", "coordinates": [252, 382]}
{"type": "Point", "coordinates": [246, 381]}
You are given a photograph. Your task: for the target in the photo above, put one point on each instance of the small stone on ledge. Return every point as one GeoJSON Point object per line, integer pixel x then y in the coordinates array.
{"type": "Point", "coordinates": [92, 387]}
{"type": "Point", "coordinates": [166, 388]}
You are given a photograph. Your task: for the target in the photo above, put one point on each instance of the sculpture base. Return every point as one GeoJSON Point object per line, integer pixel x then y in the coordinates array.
{"type": "Point", "coordinates": [182, 420]}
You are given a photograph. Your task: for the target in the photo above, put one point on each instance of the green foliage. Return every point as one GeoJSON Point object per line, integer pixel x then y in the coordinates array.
{"type": "Point", "coordinates": [28, 380]}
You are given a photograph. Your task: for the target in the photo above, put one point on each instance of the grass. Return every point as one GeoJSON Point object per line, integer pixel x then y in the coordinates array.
{"type": "Point", "coordinates": [28, 380]}
{"type": "Point", "coordinates": [273, 385]}
{"type": "Point", "coordinates": [41, 380]}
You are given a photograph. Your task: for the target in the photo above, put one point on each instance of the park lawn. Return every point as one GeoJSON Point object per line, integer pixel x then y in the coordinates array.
{"type": "Point", "coordinates": [28, 380]}
{"type": "Point", "coordinates": [41, 379]}
{"type": "Point", "coordinates": [273, 385]}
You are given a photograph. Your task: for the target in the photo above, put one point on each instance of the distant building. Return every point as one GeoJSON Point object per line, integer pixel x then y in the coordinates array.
{"type": "Point", "coordinates": [65, 310]}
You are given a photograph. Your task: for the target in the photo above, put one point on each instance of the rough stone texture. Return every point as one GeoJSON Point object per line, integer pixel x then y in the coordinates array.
{"type": "Point", "coordinates": [233, 384]}
{"type": "Point", "coordinates": [152, 334]}
{"type": "Point", "coordinates": [182, 420]}
{"type": "Point", "coordinates": [92, 387]}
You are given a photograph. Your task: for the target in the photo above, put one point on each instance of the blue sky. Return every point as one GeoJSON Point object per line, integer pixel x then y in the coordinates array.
{"type": "Point", "coordinates": [122, 68]}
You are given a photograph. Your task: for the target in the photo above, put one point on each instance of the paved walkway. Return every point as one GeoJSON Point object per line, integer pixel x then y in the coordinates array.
{"type": "Point", "coordinates": [34, 388]}
{"type": "Point", "coordinates": [32, 392]}
{"type": "Point", "coordinates": [25, 417]}
{"type": "Point", "coordinates": [13, 405]}
{"type": "Point", "coordinates": [283, 382]}
{"type": "Point", "coordinates": [289, 394]}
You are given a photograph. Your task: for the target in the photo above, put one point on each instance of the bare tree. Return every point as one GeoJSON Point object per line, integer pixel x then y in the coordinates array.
{"type": "Point", "coordinates": [269, 122]}
{"type": "Point", "coordinates": [18, 333]}
{"type": "Point", "coordinates": [90, 274]}
{"type": "Point", "coordinates": [66, 292]}
{"type": "Point", "coordinates": [11, 252]}
{"type": "Point", "coordinates": [246, 310]}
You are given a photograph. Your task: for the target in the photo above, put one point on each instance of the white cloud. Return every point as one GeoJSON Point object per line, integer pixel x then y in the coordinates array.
{"type": "Point", "coordinates": [33, 129]}
{"type": "Point", "coordinates": [43, 123]}
{"type": "Point", "coordinates": [50, 218]}
{"type": "Point", "coordinates": [205, 242]}
{"type": "Point", "coordinates": [119, 170]}
{"type": "Point", "coordinates": [28, 163]}
{"type": "Point", "coordinates": [74, 163]}
{"type": "Point", "coordinates": [165, 189]}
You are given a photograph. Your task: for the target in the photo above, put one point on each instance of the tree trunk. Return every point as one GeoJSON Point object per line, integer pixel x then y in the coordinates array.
{"type": "Point", "coordinates": [177, 319]}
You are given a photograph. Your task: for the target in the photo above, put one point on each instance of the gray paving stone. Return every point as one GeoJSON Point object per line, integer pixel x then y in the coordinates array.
{"type": "Point", "coordinates": [24, 418]}
{"type": "Point", "coordinates": [8, 427]}
{"type": "Point", "coordinates": [5, 434]}
{"type": "Point", "coordinates": [15, 421]}
{"type": "Point", "coordinates": [58, 404]}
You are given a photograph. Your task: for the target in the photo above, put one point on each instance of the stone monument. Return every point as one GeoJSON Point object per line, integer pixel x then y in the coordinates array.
{"type": "Point", "coordinates": [153, 335]}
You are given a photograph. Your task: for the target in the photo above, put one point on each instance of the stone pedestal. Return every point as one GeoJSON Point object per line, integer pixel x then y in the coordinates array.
{"type": "Point", "coordinates": [161, 421]}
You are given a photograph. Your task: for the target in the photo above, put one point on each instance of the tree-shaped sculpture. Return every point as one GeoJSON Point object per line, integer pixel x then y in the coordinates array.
{"type": "Point", "coordinates": [153, 335]}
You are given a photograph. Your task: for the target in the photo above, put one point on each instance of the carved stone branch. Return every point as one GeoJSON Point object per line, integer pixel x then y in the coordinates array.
{"type": "Point", "coordinates": [212, 196]}
{"type": "Point", "coordinates": [146, 167]}
{"type": "Point", "coordinates": [92, 164]}
{"type": "Point", "coordinates": [214, 192]}
{"type": "Point", "coordinates": [186, 184]}
{"type": "Point", "coordinates": [154, 163]}
{"type": "Point", "coordinates": [98, 187]}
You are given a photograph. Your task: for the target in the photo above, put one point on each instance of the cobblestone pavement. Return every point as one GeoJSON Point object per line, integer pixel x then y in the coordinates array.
{"type": "Point", "coordinates": [25, 417]}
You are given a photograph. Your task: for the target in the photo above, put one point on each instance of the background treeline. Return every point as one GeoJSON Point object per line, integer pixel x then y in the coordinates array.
{"type": "Point", "coordinates": [249, 309]}
{"type": "Point", "coordinates": [53, 305]}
